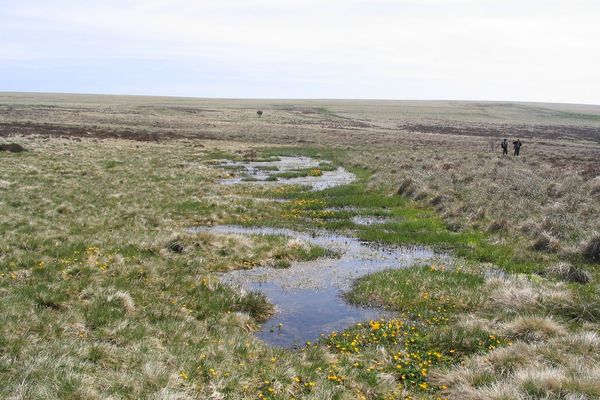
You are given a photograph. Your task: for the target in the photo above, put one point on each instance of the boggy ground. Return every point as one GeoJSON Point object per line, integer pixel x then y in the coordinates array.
{"type": "Point", "coordinates": [104, 293]}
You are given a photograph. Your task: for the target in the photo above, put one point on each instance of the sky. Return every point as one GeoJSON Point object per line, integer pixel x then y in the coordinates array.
{"type": "Point", "coordinates": [524, 50]}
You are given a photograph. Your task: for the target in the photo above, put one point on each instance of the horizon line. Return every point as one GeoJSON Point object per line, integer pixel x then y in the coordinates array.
{"type": "Point", "coordinates": [298, 98]}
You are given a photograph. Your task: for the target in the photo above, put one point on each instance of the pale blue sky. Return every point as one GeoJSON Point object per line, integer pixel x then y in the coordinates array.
{"type": "Point", "coordinates": [531, 50]}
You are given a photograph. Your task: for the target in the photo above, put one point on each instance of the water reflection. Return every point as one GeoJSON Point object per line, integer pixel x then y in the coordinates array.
{"type": "Point", "coordinates": [309, 295]}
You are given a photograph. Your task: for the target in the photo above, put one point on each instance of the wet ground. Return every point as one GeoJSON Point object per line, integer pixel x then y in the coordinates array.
{"type": "Point", "coordinates": [308, 296]}
{"type": "Point", "coordinates": [369, 220]}
{"type": "Point", "coordinates": [253, 172]}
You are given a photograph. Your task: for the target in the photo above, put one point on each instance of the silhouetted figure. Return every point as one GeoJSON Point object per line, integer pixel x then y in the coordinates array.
{"type": "Point", "coordinates": [504, 145]}
{"type": "Point", "coordinates": [517, 146]}
{"type": "Point", "coordinates": [260, 113]}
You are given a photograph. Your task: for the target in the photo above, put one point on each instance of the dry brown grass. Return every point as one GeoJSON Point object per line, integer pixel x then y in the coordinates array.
{"type": "Point", "coordinates": [531, 197]}
{"type": "Point", "coordinates": [568, 273]}
{"type": "Point", "coordinates": [562, 367]}
{"type": "Point", "coordinates": [516, 294]}
{"type": "Point", "coordinates": [530, 329]}
{"type": "Point", "coordinates": [546, 359]}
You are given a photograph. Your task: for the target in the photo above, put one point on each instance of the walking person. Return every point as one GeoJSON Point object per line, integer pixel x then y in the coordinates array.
{"type": "Point", "coordinates": [517, 146]}
{"type": "Point", "coordinates": [504, 145]}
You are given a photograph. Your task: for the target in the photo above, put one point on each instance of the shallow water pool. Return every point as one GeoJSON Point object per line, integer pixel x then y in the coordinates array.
{"type": "Point", "coordinates": [258, 172]}
{"type": "Point", "coordinates": [308, 296]}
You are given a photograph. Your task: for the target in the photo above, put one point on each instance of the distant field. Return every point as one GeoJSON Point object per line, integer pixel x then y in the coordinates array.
{"type": "Point", "coordinates": [106, 293]}
{"type": "Point", "coordinates": [290, 120]}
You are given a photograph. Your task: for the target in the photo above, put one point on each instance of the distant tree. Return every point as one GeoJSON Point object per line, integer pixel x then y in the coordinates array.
{"type": "Point", "coordinates": [260, 113]}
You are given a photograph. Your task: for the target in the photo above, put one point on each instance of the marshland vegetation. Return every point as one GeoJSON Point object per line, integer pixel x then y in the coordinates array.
{"type": "Point", "coordinates": [105, 292]}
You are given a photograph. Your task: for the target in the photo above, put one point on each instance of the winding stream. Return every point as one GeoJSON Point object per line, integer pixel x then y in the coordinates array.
{"type": "Point", "coordinates": [308, 296]}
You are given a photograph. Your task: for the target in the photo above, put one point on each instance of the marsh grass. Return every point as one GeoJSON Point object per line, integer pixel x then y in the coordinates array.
{"type": "Point", "coordinates": [301, 173]}
{"type": "Point", "coordinates": [503, 329]}
{"type": "Point", "coordinates": [411, 222]}
{"type": "Point", "coordinates": [97, 303]}
{"type": "Point", "coordinates": [522, 309]}
{"type": "Point", "coordinates": [421, 291]}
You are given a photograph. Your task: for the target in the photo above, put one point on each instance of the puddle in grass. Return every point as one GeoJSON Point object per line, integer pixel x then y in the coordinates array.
{"type": "Point", "coordinates": [253, 172]}
{"type": "Point", "coordinates": [308, 296]}
{"type": "Point", "coordinates": [369, 220]}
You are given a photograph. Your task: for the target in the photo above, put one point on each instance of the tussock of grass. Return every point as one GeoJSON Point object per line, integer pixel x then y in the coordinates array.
{"type": "Point", "coordinates": [591, 250]}
{"type": "Point", "coordinates": [533, 328]}
{"type": "Point", "coordinates": [497, 225]}
{"type": "Point", "coordinates": [583, 305]}
{"type": "Point", "coordinates": [406, 187]}
{"type": "Point", "coordinates": [595, 187]}
{"type": "Point", "coordinates": [225, 252]}
{"type": "Point", "coordinates": [568, 273]}
{"type": "Point", "coordinates": [545, 242]}
{"type": "Point", "coordinates": [516, 294]}
{"type": "Point", "coordinates": [512, 295]}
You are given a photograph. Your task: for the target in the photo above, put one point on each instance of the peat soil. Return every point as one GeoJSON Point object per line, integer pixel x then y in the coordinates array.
{"type": "Point", "coordinates": [13, 129]}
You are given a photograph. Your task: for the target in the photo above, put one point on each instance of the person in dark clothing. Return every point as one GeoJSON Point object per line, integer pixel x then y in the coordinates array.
{"type": "Point", "coordinates": [517, 146]}
{"type": "Point", "coordinates": [504, 145]}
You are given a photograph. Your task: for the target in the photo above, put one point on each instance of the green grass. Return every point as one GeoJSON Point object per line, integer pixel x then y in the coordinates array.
{"type": "Point", "coordinates": [218, 154]}
{"type": "Point", "coordinates": [267, 168]}
{"type": "Point", "coordinates": [423, 291]}
{"type": "Point", "coordinates": [301, 173]}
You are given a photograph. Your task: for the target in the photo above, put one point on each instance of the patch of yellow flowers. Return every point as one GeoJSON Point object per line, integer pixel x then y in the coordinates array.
{"type": "Point", "coordinates": [411, 356]}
